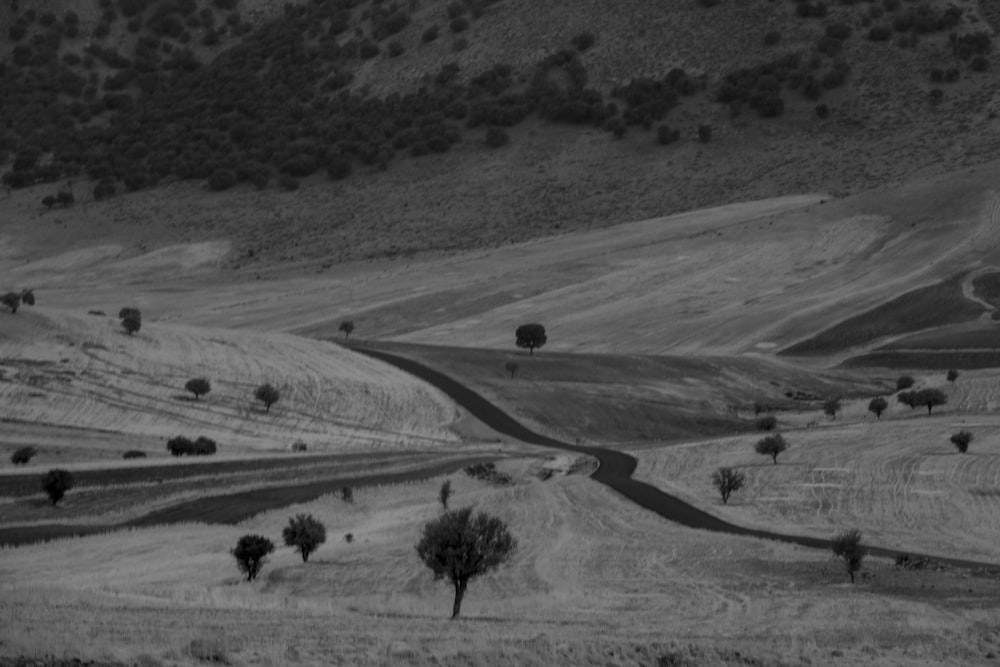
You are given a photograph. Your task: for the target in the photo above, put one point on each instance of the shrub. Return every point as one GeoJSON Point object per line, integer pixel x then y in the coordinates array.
{"type": "Point", "coordinates": [848, 546]}
{"type": "Point", "coordinates": [952, 375]}
{"type": "Point", "coordinates": [877, 406]}
{"type": "Point", "coordinates": [822, 111]}
{"type": "Point", "coordinates": [904, 382]}
{"type": "Point", "coordinates": [767, 423]}
{"type": "Point", "coordinates": [727, 480]}
{"type": "Point", "coordinates": [831, 407]}
{"type": "Point", "coordinates": [961, 441]}
{"type": "Point", "coordinates": [268, 395]}
{"type": "Point", "coordinates": [288, 182]}
{"type": "Point", "coordinates": [299, 446]}
{"type": "Point", "coordinates": [304, 533]}
{"type": "Point", "coordinates": [11, 300]}
{"type": "Point", "coordinates": [134, 454]}
{"type": "Point", "coordinates": [251, 553]}
{"type": "Point", "coordinates": [666, 136]}
{"type": "Point", "coordinates": [22, 455]}
{"type": "Point", "coordinates": [347, 494]}
{"type": "Point", "coordinates": [462, 547]}
{"type": "Point", "coordinates": [772, 445]}
{"type": "Point", "coordinates": [445, 493]}
{"type": "Point", "coordinates": [395, 48]}
{"type": "Point", "coordinates": [56, 483]}
{"type": "Point", "coordinates": [105, 188]}
{"type": "Point", "coordinates": [198, 386]}
{"type": "Point", "coordinates": [530, 336]}
{"type": "Point", "coordinates": [131, 319]}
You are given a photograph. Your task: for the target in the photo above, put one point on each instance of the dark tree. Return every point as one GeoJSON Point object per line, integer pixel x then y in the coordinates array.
{"type": "Point", "coordinates": [831, 408]}
{"type": "Point", "coordinates": [727, 480]}
{"type": "Point", "coordinates": [907, 398]}
{"type": "Point", "coordinates": [930, 398]}
{"type": "Point", "coordinates": [848, 547]}
{"type": "Point", "coordinates": [134, 454]}
{"type": "Point", "coordinates": [267, 395]}
{"type": "Point", "coordinates": [180, 446]}
{"type": "Point", "coordinates": [952, 375]}
{"type": "Point", "coordinates": [12, 300]}
{"type": "Point", "coordinates": [961, 441]}
{"type": "Point", "coordinates": [904, 382]}
{"type": "Point", "coordinates": [767, 423]}
{"type": "Point", "coordinates": [198, 386]}
{"type": "Point", "coordinates": [461, 547]}
{"type": "Point", "coordinates": [56, 483]}
{"type": "Point", "coordinates": [877, 406]}
{"type": "Point", "coordinates": [131, 319]}
{"type": "Point", "coordinates": [28, 297]}
{"type": "Point", "coordinates": [304, 533]}
{"type": "Point", "coordinates": [512, 367]}
{"type": "Point", "coordinates": [347, 326]}
{"type": "Point", "coordinates": [251, 553]}
{"type": "Point", "coordinates": [445, 493]}
{"type": "Point", "coordinates": [772, 445]}
{"type": "Point", "coordinates": [22, 455]}
{"type": "Point", "coordinates": [347, 494]}
{"type": "Point", "coordinates": [530, 336]}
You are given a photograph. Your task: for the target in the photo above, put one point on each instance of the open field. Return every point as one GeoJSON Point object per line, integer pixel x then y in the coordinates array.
{"type": "Point", "coordinates": [371, 602]}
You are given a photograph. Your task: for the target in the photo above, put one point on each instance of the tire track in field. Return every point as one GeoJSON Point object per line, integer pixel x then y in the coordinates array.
{"type": "Point", "coordinates": [615, 468]}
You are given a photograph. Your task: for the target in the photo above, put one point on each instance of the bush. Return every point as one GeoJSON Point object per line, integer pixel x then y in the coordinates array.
{"type": "Point", "coordinates": [904, 382]}
{"type": "Point", "coordinates": [395, 48]}
{"type": "Point", "coordinates": [512, 367]}
{"type": "Point", "coordinates": [181, 446]}
{"type": "Point", "coordinates": [952, 375]}
{"type": "Point", "coordinates": [134, 454]}
{"type": "Point", "coordinates": [458, 24]}
{"type": "Point", "coordinates": [444, 493]}
{"type": "Point", "coordinates": [251, 553]}
{"type": "Point", "coordinates": [347, 494]}
{"type": "Point", "coordinates": [22, 455]}
{"type": "Point", "coordinates": [131, 319]}
{"type": "Point", "coordinates": [305, 534]}
{"type": "Point", "coordinates": [772, 38]}
{"type": "Point", "coordinates": [487, 472]}
{"type": "Point", "coordinates": [831, 407]}
{"type": "Point", "coordinates": [338, 168]}
{"type": "Point", "coordinates": [56, 483]}
{"type": "Point", "coordinates": [299, 446]}
{"type": "Point", "coordinates": [767, 423]}
{"type": "Point", "coordinates": [105, 188]}
{"type": "Point", "coordinates": [961, 441]}
{"type": "Point", "coordinates": [349, 538]}
{"type": "Point", "coordinates": [666, 136]}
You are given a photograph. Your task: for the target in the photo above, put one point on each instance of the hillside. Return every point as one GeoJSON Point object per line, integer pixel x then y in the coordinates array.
{"type": "Point", "coordinates": [368, 141]}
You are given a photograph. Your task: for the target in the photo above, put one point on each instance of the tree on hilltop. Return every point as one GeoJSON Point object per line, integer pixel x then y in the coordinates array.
{"type": "Point", "coordinates": [772, 445]}
{"type": "Point", "coordinates": [461, 547]}
{"type": "Point", "coordinates": [530, 336]}
{"type": "Point", "coordinates": [304, 533]}
{"type": "Point", "coordinates": [198, 386]}
{"type": "Point", "coordinates": [267, 395]}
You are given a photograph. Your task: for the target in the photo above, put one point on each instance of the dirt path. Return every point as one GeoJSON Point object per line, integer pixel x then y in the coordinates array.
{"type": "Point", "coordinates": [616, 468]}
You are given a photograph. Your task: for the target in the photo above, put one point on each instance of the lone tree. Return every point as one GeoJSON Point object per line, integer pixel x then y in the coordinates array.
{"type": "Point", "coordinates": [199, 387]}
{"type": "Point", "coordinates": [251, 553]}
{"type": "Point", "coordinates": [848, 546]}
{"type": "Point", "coordinates": [930, 398]}
{"type": "Point", "coordinates": [461, 547]}
{"type": "Point", "coordinates": [347, 494]}
{"type": "Point", "coordinates": [445, 493]}
{"type": "Point", "coordinates": [952, 375]}
{"type": "Point", "coordinates": [530, 336]}
{"type": "Point", "coordinates": [22, 455]}
{"type": "Point", "coordinates": [831, 408]}
{"type": "Point", "coordinates": [267, 395]}
{"type": "Point", "coordinates": [131, 319]}
{"type": "Point", "coordinates": [877, 406]}
{"type": "Point", "coordinates": [56, 483]}
{"type": "Point", "coordinates": [347, 326]}
{"type": "Point", "coordinates": [304, 533]}
{"type": "Point", "coordinates": [961, 440]}
{"type": "Point", "coordinates": [727, 480]}
{"type": "Point", "coordinates": [512, 368]}
{"type": "Point", "coordinates": [772, 445]}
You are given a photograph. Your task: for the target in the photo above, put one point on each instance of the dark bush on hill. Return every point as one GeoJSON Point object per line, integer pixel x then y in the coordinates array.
{"type": "Point", "coordinates": [181, 446]}
{"type": "Point", "coordinates": [487, 472]}
{"type": "Point", "coordinates": [134, 454]}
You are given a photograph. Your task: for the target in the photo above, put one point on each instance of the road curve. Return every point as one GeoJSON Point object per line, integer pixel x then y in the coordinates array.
{"type": "Point", "coordinates": [616, 468]}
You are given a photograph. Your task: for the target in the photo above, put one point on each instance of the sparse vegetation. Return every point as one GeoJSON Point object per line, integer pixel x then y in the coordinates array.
{"type": "Point", "coordinates": [460, 547]}
{"type": "Point", "coordinates": [251, 552]}
{"type": "Point", "coordinates": [961, 440]}
{"type": "Point", "coordinates": [305, 534]}
{"type": "Point", "coordinates": [771, 446]}
{"type": "Point", "coordinates": [877, 406]}
{"type": "Point", "coordinates": [22, 455]}
{"type": "Point", "coordinates": [847, 546]}
{"type": "Point", "coordinates": [268, 395]}
{"type": "Point", "coordinates": [56, 483]}
{"type": "Point", "coordinates": [530, 336]}
{"type": "Point", "coordinates": [727, 481]}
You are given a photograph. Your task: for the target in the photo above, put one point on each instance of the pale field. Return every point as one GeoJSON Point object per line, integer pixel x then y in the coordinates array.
{"type": "Point", "coordinates": [899, 479]}
{"type": "Point", "coordinates": [595, 581]}
{"type": "Point", "coordinates": [84, 377]}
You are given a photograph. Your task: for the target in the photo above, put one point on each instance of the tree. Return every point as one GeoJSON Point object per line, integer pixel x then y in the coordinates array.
{"type": "Point", "coordinates": [251, 553]}
{"type": "Point", "coordinates": [56, 483]}
{"type": "Point", "coordinates": [952, 375]}
{"type": "Point", "coordinates": [22, 455]}
{"type": "Point", "coordinates": [304, 533]}
{"type": "Point", "coordinates": [267, 395]}
{"type": "Point", "coordinates": [907, 398]}
{"type": "Point", "coordinates": [49, 201]}
{"type": "Point", "coordinates": [131, 319]}
{"type": "Point", "coordinates": [831, 407]}
{"type": "Point", "coordinates": [727, 480]}
{"type": "Point", "coordinates": [12, 300]}
{"type": "Point", "coordinates": [347, 494]}
{"type": "Point", "coordinates": [848, 546]}
{"type": "Point", "coordinates": [772, 445]}
{"type": "Point", "coordinates": [28, 297]}
{"type": "Point", "coordinates": [511, 367]}
{"type": "Point", "coordinates": [198, 386]}
{"type": "Point", "coordinates": [347, 326]}
{"type": "Point", "coordinates": [530, 336]}
{"type": "Point", "coordinates": [930, 398]}
{"type": "Point", "coordinates": [767, 423]}
{"type": "Point", "coordinates": [461, 547]}
{"type": "Point", "coordinates": [445, 493]}
{"type": "Point", "coordinates": [904, 382]}
{"type": "Point", "coordinates": [961, 440]}
{"type": "Point", "coordinates": [877, 406]}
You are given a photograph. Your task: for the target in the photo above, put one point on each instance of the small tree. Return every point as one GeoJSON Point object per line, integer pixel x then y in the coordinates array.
{"type": "Point", "coordinates": [930, 398]}
{"type": "Point", "coordinates": [952, 375]}
{"type": "Point", "coordinates": [848, 546]}
{"type": "Point", "coordinates": [767, 423]}
{"type": "Point", "coordinates": [131, 319]}
{"type": "Point", "coordinates": [251, 553]}
{"type": "Point", "coordinates": [961, 440]}
{"type": "Point", "coordinates": [904, 382]}
{"type": "Point", "coordinates": [461, 547]}
{"type": "Point", "coordinates": [267, 395]}
{"type": "Point", "coordinates": [772, 445]}
{"type": "Point", "coordinates": [727, 480]}
{"type": "Point", "coordinates": [907, 398]}
{"type": "Point", "coordinates": [56, 483]}
{"type": "Point", "coordinates": [877, 406]}
{"type": "Point", "coordinates": [530, 336]}
{"type": "Point", "coordinates": [445, 493]}
{"type": "Point", "coordinates": [11, 300]}
{"type": "Point", "coordinates": [304, 533]}
{"type": "Point", "coordinates": [347, 494]}
{"type": "Point", "coordinates": [831, 408]}
{"type": "Point", "coordinates": [347, 326]}
{"type": "Point", "coordinates": [199, 387]}
{"type": "Point", "coordinates": [512, 368]}
{"type": "Point", "coordinates": [22, 455]}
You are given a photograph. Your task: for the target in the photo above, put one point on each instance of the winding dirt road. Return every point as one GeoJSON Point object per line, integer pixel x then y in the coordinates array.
{"type": "Point", "coordinates": [616, 468]}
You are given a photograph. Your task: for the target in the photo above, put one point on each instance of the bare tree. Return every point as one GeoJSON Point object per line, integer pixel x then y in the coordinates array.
{"type": "Point", "coordinates": [847, 545]}
{"type": "Point", "coordinates": [727, 481]}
